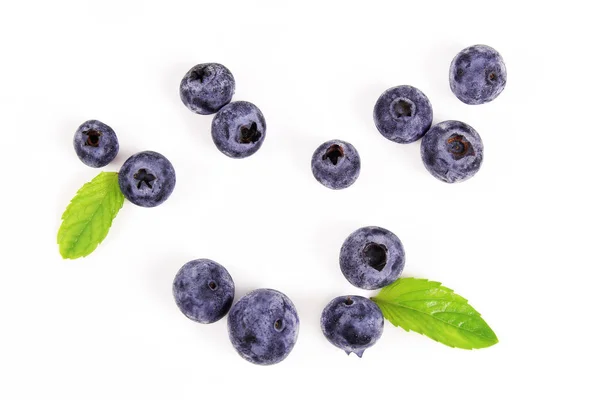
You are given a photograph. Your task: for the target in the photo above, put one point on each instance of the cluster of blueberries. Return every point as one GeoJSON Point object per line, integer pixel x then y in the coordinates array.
{"type": "Point", "coordinates": [146, 178]}
{"type": "Point", "coordinates": [452, 151]}
{"type": "Point", "coordinates": [263, 325]}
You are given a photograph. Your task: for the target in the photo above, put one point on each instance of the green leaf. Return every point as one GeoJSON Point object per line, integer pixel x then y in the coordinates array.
{"type": "Point", "coordinates": [433, 310]}
{"type": "Point", "coordinates": [87, 219]}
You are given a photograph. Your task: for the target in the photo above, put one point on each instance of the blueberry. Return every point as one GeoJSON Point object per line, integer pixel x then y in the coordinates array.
{"type": "Point", "coordinates": [206, 88]}
{"type": "Point", "coordinates": [336, 164]}
{"type": "Point", "coordinates": [147, 179]}
{"type": "Point", "coordinates": [263, 326]}
{"type": "Point", "coordinates": [203, 291]}
{"type": "Point", "coordinates": [95, 143]}
{"type": "Point", "coordinates": [239, 129]}
{"type": "Point", "coordinates": [477, 74]}
{"type": "Point", "coordinates": [452, 151]}
{"type": "Point", "coordinates": [372, 257]}
{"type": "Point", "coordinates": [403, 114]}
{"type": "Point", "coordinates": [352, 323]}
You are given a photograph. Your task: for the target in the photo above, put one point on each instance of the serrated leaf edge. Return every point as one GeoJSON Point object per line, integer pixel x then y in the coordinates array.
{"type": "Point", "coordinates": [436, 285]}
{"type": "Point", "coordinates": [437, 319]}
{"type": "Point", "coordinates": [119, 201]}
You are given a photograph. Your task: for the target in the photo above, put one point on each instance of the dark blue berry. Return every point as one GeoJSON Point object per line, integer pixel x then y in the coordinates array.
{"type": "Point", "coordinates": [206, 88]}
{"type": "Point", "coordinates": [336, 164]}
{"type": "Point", "coordinates": [95, 143]}
{"type": "Point", "coordinates": [372, 257]}
{"type": "Point", "coordinates": [403, 114]}
{"type": "Point", "coordinates": [452, 151]}
{"type": "Point", "coordinates": [352, 323]}
{"type": "Point", "coordinates": [263, 326]}
{"type": "Point", "coordinates": [203, 291]}
{"type": "Point", "coordinates": [147, 179]}
{"type": "Point", "coordinates": [239, 129]}
{"type": "Point", "coordinates": [477, 74]}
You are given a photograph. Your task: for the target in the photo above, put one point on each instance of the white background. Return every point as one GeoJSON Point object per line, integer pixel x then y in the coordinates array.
{"type": "Point", "coordinates": [519, 240]}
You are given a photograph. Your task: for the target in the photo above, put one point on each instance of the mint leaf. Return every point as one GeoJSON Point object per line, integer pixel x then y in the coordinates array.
{"type": "Point", "coordinates": [87, 219]}
{"type": "Point", "coordinates": [435, 311]}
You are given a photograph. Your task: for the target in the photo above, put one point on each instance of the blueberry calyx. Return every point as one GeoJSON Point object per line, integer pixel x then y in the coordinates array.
{"type": "Point", "coordinates": [93, 138]}
{"type": "Point", "coordinates": [375, 255]}
{"type": "Point", "coordinates": [459, 147]}
{"type": "Point", "coordinates": [492, 77]}
{"type": "Point", "coordinates": [249, 339]}
{"type": "Point", "coordinates": [402, 108]}
{"type": "Point", "coordinates": [143, 176]}
{"type": "Point", "coordinates": [200, 75]}
{"type": "Point", "coordinates": [334, 153]}
{"type": "Point", "coordinates": [278, 325]}
{"type": "Point", "coordinates": [249, 134]}
{"type": "Point", "coordinates": [212, 285]}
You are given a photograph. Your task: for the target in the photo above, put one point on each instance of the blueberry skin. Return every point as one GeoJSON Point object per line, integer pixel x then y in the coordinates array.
{"type": "Point", "coordinates": [203, 290]}
{"type": "Point", "coordinates": [477, 74]}
{"type": "Point", "coordinates": [336, 164]}
{"type": "Point", "coordinates": [403, 114]}
{"type": "Point", "coordinates": [352, 323]}
{"type": "Point", "coordinates": [95, 143]}
{"type": "Point", "coordinates": [147, 179]}
{"type": "Point", "coordinates": [372, 257]}
{"type": "Point", "coordinates": [452, 151]}
{"type": "Point", "coordinates": [239, 129]}
{"type": "Point", "coordinates": [206, 88]}
{"type": "Point", "coordinates": [263, 326]}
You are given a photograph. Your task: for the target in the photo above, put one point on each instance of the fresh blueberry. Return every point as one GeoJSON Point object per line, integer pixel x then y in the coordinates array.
{"type": "Point", "coordinates": [147, 179]}
{"type": "Point", "coordinates": [372, 257]}
{"type": "Point", "coordinates": [206, 88]}
{"type": "Point", "coordinates": [239, 129]}
{"type": "Point", "coordinates": [477, 74]}
{"type": "Point", "coordinates": [203, 291]}
{"type": "Point", "coordinates": [336, 164]}
{"type": "Point", "coordinates": [403, 114]}
{"type": "Point", "coordinates": [95, 143]}
{"type": "Point", "coordinates": [452, 151]}
{"type": "Point", "coordinates": [263, 326]}
{"type": "Point", "coordinates": [352, 323]}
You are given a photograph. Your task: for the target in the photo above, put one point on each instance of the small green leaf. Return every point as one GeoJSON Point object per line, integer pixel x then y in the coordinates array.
{"type": "Point", "coordinates": [87, 219]}
{"type": "Point", "coordinates": [435, 311]}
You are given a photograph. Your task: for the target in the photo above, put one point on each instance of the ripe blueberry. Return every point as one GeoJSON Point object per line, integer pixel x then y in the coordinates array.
{"type": "Point", "coordinates": [477, 74]}
{"type": "Point", "coordinates": [263, 326]}
{"type": "Point", "coordinates": [452, 151]}
{"type": "Point", "coordinates": [352, 323]}
{"type": "Point", "coordinates": [336, 164]}
{"type": "Point", "coordinates": [147, 179]}
{"type": "Point", "coordinates": [239, 129]}
{"type": "Point", "coordinates": [203, 291]}
{"type": "Point", "coordinates": [403, 114]}
{"type": "Point", "coordinates": [372, 257]}
{"type": "Point", "coordinates": [95, 143]}
{"type": "Point", "coordinates": [206, 88]}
